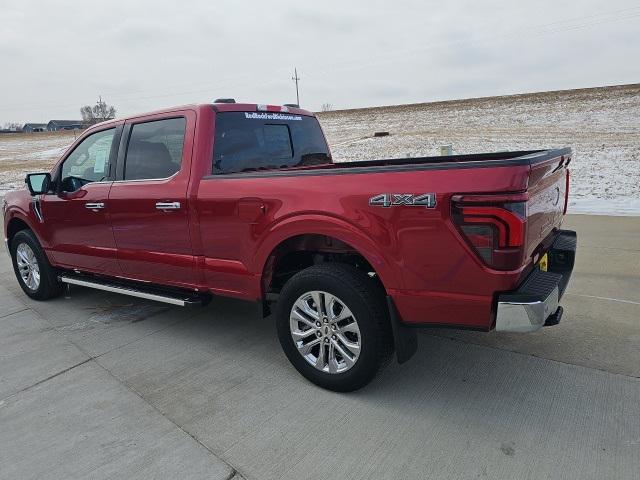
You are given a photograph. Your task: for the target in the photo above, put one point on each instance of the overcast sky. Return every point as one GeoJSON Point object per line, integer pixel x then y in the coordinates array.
{"type": "Point", "coordinates": [144, 55]}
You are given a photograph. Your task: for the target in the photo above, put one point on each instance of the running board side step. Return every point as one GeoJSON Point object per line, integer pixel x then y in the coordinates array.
{"type": "Point", "coordinates": [143, 291]}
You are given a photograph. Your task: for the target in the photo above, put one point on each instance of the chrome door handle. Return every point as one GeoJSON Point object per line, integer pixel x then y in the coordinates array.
{"type": "Point", "coordinates": [168, 205]}
{"type": "Point", "coordinates": [94, 205]}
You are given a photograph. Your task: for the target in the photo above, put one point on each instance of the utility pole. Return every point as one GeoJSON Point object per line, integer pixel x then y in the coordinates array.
{"type": "Point", "coordinates": [295, 78]}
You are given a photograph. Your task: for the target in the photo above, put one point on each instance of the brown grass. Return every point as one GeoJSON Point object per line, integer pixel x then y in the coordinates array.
{"type": "Point", "coordinates": [39, 135]}
{"type": "Point", "coordinates": [16, 150]}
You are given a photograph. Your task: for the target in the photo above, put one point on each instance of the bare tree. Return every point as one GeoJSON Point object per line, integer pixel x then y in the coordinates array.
{"type": "Point", "coordinates": [98, 113]}
{"type": "Point", "coordinates": [326, 107]}
{"type": "Point", "coordinates": [87, 114]}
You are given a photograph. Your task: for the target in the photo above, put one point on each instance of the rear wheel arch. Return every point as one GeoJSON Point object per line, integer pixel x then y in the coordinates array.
{"type": "Point", "coordinates": [309, 228]}
{"type": "Point", "coordinates": [297, 252]}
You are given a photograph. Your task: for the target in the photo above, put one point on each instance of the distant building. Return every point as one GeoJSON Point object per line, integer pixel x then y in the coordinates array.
{"type": "Point", "coordinates": [34, 127]}
{"type": "Point", "coordinates": [57, 125]}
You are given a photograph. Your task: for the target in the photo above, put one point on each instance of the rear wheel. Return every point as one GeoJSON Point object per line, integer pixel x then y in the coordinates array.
{"type": "Point", "coordinates": [333, 326]}
{"type": "Point", "coordinates": [36, 276]}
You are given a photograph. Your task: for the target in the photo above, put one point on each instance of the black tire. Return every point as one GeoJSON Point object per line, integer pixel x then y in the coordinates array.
{"type": "Point", "coordinates": [366, 300]}
{"type": "Point", "coordinates": [48, 286]}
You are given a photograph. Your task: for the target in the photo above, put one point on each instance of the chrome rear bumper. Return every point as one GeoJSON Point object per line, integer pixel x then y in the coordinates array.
{"type": "Point", "coordinates": [536, 302]}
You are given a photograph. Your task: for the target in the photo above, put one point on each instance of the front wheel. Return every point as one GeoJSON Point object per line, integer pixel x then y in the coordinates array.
{"type": "Point", "coordinates": [333, 326]}
{"type": "Point", "coordinates": [33, 271]}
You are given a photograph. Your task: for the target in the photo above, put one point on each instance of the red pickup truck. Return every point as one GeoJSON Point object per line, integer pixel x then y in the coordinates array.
{"type": "Point", "coordinates": [244, 200]}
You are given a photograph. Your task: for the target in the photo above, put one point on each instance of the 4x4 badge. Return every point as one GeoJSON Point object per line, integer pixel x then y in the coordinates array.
{"type": "Point", "coordinates": [427, 200]}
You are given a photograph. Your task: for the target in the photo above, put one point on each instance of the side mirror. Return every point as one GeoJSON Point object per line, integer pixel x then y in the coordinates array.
{"type": "Point", "coordinates": [38, 182]}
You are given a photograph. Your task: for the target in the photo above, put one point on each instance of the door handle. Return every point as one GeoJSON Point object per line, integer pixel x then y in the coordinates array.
{"type": "Point", "coordinates": [94, 205]}
{"type": "Point", "coordinates": [167, 205]}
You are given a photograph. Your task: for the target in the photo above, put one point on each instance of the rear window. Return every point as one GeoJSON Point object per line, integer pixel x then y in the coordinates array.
{"type": "Point", "coordinates": [249, 141]}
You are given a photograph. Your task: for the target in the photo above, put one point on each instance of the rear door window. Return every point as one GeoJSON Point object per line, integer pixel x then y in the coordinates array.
{"type": "Point", "coordinates": [155, 149]}
{"type": "Point", "coordinates": [250, 141]}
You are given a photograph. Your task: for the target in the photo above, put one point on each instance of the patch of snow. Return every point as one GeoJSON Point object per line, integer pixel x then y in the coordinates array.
{"type": "Point", "coordinates": [602, 126]}
{"type": "Point", "coordinates": [49, 153]}
{"type": "Point", "coordinates": [24, 153]}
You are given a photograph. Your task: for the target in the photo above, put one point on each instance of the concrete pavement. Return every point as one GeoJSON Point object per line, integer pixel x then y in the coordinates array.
{"type": "Point", "coordinates": [601, 325]}
{"type": "Point", "coordinates": [106, 386]}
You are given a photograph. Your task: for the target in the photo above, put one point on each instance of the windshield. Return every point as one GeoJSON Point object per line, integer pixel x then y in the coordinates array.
{"type": "Point", "coordinates": [246, 141]}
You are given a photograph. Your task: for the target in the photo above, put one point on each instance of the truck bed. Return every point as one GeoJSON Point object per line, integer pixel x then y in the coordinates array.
{"type": "Point", "coordinates": [477, 160]}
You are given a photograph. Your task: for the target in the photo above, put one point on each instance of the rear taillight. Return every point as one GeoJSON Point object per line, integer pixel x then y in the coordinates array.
{"type": "Point", "coordinates": [481, 237]}
{"type": "Point", "coordinates": [494, 226]}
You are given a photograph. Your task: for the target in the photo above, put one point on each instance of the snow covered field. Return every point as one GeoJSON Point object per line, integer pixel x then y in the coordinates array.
{"type": "Point", "coordinates": [602, 126]}
{"type": "Point", "coordinates": [21, 153]}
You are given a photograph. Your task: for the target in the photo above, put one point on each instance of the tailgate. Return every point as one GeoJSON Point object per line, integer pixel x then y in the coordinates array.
{"type": "Point", "coordinates": [547, 188]}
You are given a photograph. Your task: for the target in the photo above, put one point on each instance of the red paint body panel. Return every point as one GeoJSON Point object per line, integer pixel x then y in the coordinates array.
{"type": "Point", "coordinates": [155, 245]}
{"type": "Point", "coordinates": [416, 251]}
{"type": "Point", "coordinates": [228, 226]}
{"type": "Point", "coordinates": [78, 237]}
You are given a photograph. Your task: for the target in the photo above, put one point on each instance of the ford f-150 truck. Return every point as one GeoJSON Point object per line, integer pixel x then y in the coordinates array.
{"type": "Point", "coordinates": [244, 200]}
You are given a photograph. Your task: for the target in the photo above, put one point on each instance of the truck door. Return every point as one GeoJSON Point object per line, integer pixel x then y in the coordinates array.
{"type": "Point", "coordinates": [148, 201]}
{"type": "Point", "coordinates": [76, 216]}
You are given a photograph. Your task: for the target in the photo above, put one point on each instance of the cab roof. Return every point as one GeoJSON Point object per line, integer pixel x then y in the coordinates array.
{"type": "Point", "coordinates": [217, 107]}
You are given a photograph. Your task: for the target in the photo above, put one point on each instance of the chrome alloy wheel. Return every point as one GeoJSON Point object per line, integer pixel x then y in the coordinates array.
{"type": "Point", "coordinates": [325, 332]}
{"type": "Point", "coordinates": [28, 266]}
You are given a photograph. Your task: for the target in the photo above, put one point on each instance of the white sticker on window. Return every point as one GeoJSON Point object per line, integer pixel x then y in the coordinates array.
{"type": "Point", "coordinates": [270, 116]}
{"type": "Point", "coordinates": [101, 160]}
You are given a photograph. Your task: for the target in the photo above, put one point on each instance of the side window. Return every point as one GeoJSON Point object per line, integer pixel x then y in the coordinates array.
{"type": "Point", "coordinates": [89, 161]}
{"type": "Point", "coordinates": [155, 149]}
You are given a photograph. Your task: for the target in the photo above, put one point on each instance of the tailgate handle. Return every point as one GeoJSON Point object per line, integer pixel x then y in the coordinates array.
{"type": "Point", "coordinates": [167, 205]}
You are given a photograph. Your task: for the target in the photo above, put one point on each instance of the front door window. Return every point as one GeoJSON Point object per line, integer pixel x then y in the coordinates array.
{"type": "Point", "coordinates": [89, 161]}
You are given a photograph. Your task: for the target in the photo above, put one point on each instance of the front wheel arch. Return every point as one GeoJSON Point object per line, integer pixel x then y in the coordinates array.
{"type": "Point", "coordinates": [48, 286]}
{"type": "Point", "coordinates": [15, 225]}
